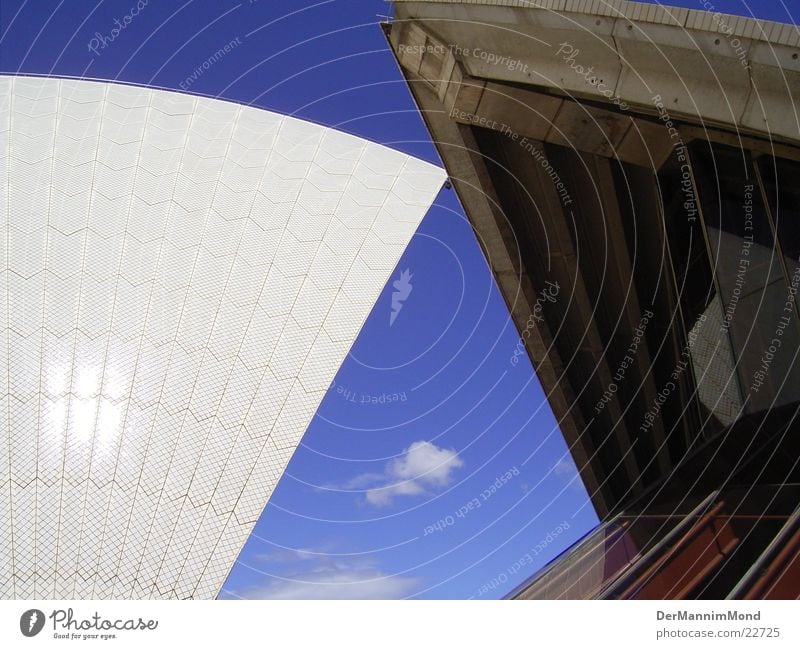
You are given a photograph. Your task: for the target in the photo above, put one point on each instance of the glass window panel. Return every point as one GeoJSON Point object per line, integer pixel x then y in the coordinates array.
{"type": "Point", "coordinates": [753, 290]}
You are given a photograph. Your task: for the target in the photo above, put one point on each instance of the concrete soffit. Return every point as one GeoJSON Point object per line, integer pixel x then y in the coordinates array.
{"type": "Point", "coordinates": [521, 70]}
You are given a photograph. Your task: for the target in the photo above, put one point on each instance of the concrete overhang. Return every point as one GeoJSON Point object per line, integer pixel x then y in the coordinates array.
{"type": "Point", "coordinates": [627, 57]}
{"type": "Point", "coordinates": [597, 78]}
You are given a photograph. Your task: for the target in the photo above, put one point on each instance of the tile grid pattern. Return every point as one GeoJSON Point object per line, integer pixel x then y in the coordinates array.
{"type": "Point", "coordinates": [181, 279]}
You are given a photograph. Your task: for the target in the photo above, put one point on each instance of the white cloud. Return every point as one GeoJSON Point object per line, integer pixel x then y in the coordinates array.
{"type": "Point", "coordinates": [421, 468]}
{"type": "Point", "coordinates": [360, 482]}
{"type": "Point", "coordinates": [565, 470]}
{"type": "Point", "coordinates": [337, 585]}
{"type": "Point", "coordinates": [283, 555]}
{"type": "Point", "coordinates": [332, 578]}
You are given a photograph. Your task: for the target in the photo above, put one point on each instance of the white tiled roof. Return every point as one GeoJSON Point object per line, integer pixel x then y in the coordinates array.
{"type": "Point", "coordinates": [181, 279]}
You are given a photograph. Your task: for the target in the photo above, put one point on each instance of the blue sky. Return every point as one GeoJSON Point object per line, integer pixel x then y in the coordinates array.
{"type": "Point", "coordinates": [432, 394]}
